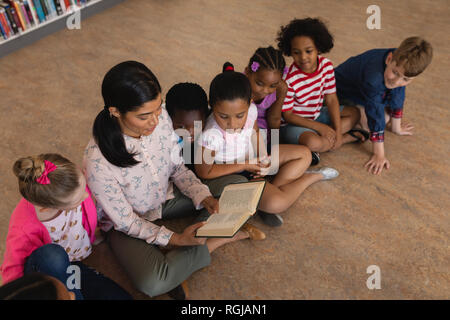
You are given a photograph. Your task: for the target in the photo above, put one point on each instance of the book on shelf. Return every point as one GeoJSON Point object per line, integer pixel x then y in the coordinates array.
{"type": "Point", "coordinates": [237, 204]}
{"type": "Point", "coordinates": [31, 10]}
{"type": "Point", "coordinates": [17, 16]}
{"type": "Point", "coordinates": [6, 12]}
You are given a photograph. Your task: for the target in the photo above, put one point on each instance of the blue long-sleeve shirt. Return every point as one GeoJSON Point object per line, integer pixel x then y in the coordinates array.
{"type": "Point", "coordinates": [361, 80]}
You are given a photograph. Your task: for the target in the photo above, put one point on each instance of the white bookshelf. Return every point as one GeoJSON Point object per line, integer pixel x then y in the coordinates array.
{"type": "Point", "coordinates": [52, 25]}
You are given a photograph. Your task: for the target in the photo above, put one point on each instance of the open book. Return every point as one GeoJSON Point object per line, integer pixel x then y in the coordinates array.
{"type": "Point", "coordinates": [237, 204]}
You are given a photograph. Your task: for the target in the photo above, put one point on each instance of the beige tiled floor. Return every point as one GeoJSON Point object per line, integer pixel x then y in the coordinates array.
{"type": "Point", "coordinates": [50, 94]}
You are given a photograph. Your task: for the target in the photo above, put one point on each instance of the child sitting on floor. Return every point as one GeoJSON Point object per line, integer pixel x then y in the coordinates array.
{"type": "Point", "coordinates": [311, 107]}
{"type": "Point", "coordinates": [187, 105]}
{"type": "Point", "coordinates": [53, 227]}
{"type": "Point", "coordinates": [264, 71]}
{"type": "Point", "coordinates": [375, 81]}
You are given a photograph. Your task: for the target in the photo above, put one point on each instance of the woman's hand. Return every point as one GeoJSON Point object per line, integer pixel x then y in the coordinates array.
{"type": "Point", "coordinates": [187, 238]}
{"type": "Point", "coordinates": [211, 204]}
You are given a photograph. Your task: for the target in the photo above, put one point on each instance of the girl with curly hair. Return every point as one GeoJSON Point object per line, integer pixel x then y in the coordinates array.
{"type": "Point", "coordinates": [311, 107]}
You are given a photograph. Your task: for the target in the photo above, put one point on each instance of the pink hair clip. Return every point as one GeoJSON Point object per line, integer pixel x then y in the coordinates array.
{"type": "Point", "coordinates": [49, 167]}
{"type": "Point", "coordinates": [255, 66]}
{"type": "Point", "coordinates": [285, 70]}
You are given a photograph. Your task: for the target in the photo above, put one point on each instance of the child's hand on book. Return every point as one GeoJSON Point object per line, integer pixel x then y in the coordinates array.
{"type": "Point", "coordinates": [211, 204]}
{"type": "Point", "coordinates": [264, 162]}
{"type": "Point", "coordinates": [261, 168]}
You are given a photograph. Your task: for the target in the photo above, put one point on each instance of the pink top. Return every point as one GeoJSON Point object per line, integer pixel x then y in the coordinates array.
{"type": "Point", "coordinates": [26, 234]}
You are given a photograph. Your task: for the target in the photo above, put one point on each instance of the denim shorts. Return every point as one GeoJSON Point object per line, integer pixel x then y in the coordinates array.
{"type": "Point", "coordinates": [290, 133]}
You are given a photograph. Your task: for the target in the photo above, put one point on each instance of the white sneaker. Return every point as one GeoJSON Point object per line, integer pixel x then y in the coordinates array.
{"type": "Point", "coordinates": [327, 172]}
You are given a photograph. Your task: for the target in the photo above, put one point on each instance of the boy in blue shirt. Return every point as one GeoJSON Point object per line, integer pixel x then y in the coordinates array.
{"type": "Point", "coordinates": [375, 81]}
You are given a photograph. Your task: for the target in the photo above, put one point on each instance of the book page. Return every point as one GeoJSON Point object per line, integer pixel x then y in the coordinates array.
{"type": "Point", "coordinates": [224, 220]}
{"type": "Point", "coordinates": [222, 224]}
{"type": "Point", "coordinates": [241, 197]}
{"type": "Point", "coordinates": [234, 201]}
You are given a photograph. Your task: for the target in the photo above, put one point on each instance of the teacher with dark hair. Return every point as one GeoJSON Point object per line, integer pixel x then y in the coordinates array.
{"type": "Point", "coordinates": [137, 175]}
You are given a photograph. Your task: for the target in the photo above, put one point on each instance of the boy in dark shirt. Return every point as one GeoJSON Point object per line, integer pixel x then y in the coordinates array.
{"type": "Point", "coordinates": [375, 81]}
{"type": "Point", "coordinates": [187, 103]}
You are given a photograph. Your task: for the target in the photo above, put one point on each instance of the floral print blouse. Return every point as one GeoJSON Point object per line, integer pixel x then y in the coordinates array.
{"type": "Point", "coordinates": [129, 199]}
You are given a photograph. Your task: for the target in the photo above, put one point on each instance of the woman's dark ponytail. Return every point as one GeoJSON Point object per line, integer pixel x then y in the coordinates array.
{"type": "Point", "coordinates": [109, 138]}
{"type": "Point", "coordinates": [127, 86]}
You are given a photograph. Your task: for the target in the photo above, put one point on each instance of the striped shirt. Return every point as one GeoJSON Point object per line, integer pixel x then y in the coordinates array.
{"type": "Point", "coordinates": [306, 90]}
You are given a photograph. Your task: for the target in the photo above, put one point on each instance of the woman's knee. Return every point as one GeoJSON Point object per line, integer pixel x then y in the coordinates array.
{"type": "Point", "coordinates": [156, 282]}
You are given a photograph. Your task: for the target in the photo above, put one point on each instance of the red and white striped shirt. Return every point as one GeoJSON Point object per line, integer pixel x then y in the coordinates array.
{"type": "Point", "coordinates": [306, 90]}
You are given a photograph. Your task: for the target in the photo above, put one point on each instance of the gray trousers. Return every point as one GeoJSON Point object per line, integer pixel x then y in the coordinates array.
{"type": "Point", "coordinates": [154, 272]}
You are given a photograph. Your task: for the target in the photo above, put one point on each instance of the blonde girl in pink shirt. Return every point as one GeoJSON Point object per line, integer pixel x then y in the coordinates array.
{"type": "Point", "coordinates": [52, 228]}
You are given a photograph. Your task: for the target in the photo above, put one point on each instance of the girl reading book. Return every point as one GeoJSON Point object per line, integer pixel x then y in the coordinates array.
{"type": "Point", "coordinates": [230, 144]}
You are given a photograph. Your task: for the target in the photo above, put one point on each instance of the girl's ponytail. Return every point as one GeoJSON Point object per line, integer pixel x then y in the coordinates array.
{"type": "Point", "coordinates": [229, 85]}
{"type": "Point", "coordinates": [227, 66]}
{"type": "Point", "coordinates": [28, 169]}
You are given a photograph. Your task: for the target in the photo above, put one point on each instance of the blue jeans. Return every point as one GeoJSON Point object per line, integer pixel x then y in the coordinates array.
{"type": "Point", "coordinates": [52, 260]}
{"type": "Point", "coordinates": [290, 133]}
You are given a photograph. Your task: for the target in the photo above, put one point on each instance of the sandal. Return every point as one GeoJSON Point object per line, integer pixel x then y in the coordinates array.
{"type": "Point", "coordinates": [362, 131]}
